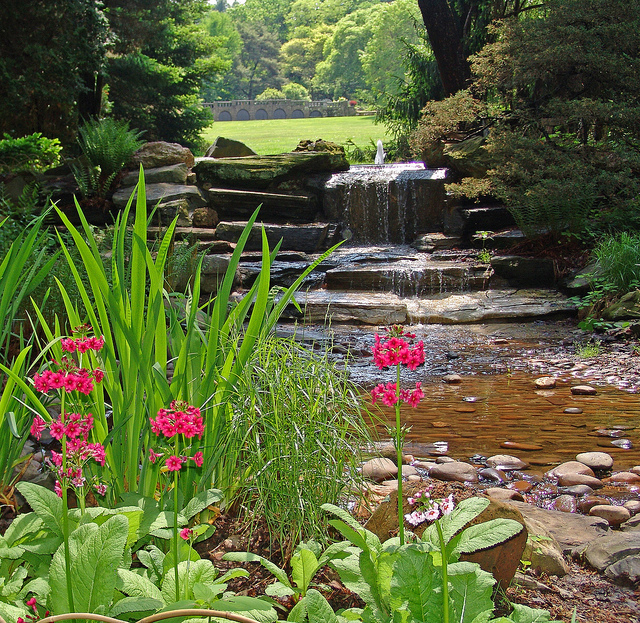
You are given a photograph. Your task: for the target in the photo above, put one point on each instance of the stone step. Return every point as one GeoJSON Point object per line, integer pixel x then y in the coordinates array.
{"type": "Point", "coordinates": [465, 221]}
{"type": "Point", "coordinates": [411, 277]}
{"type": "Point", "coordinates": [234, 204]}
{"type": "Point", "coordinates": [375, 308]}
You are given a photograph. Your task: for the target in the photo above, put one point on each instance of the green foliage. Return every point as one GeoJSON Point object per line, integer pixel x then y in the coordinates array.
{"type": "Point", "coordinates": [408, 581]}
{"type": "Point", "coordinates": [618, 261]}
{"type": "Point", "coordinates": [108, 145]}
{"type": "Point", "coordinates": [295, 91]}
{"type": "Point", "coordinates": [294, 437]}
{"type": "Point", "coordinates": [270, 94]}
{"type": "Point", "coordinates": [28, 153]}
{"type": "Point", "coordinates": [557, 97]}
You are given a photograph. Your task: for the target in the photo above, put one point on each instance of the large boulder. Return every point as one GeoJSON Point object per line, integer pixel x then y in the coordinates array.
{"type": "Point", "coordinates": [262, 172]}
{"type": "Point", "coordinates": [161, 154]}
{"type": "Point", "coordinates": [164, 193]}
{"type": "Point", "coordinates": [468, 158]}
{"type": "Point", "coordinates": [228, 148]}
{"type": "Point", "coordinates": [627, 307]}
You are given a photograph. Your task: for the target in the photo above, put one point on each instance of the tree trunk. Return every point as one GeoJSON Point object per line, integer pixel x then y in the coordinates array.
{"type": "Point", "coordinates": [446, 42]}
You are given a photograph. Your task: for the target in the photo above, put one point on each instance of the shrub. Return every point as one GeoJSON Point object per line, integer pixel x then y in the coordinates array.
{"type": "Point", "coordinates": [270, 94]}
{"type": "Point", "coordinates": [28, 153]}
{"type": "Point", "coordinates": [618, 261]}
{"type": "Point", "coordinates": [295, 91]}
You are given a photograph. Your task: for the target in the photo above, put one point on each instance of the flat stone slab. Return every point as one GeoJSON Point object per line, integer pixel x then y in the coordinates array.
{"type": "Point", "coordinates": [306, 238]}
{"type": "Point", "coordinates": [263, 171]}
{"type": "Point", "coordinates": [477, 307]}
{"type": "Point", "coordinates": [570, 530]}
{"type": "Point", "coordinates": [164, 193]}
{"type": "Point", "coordinates": [352, 307]}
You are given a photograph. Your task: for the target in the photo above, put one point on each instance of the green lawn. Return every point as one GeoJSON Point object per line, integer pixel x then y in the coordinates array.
{"type": "Point", "coordinates": [276, 136]}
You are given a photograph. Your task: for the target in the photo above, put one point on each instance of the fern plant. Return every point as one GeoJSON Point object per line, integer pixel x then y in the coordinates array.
{"type": "Point", "coordinates": [107, 145]}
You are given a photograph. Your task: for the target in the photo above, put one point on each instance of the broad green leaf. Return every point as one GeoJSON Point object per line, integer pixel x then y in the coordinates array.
{"type": "Point", "coordinates": [278, 589]}
{"type": "Point", "coordinates": [470, 592]}
{"type": "Point", "coordinates": [153, 559]}
{"type": "Point", "coordinates": [524, 614]}
{"type": "Point", "coordinates": [134, 585]}
{"type": "Point", "coordinates": [23, 525]}
{"type": "Point", "coordinates": [318, 608]}
{"type": "Point", "coordinates": [189, 573]}
{"type": "Point", "coordinates": [11, 613]}
{"type": "Point", "coordinates": [267, 564]}
{"type": "Point", "coordinates": [200, 502]}
{"type": "Point", "coordinates": [464, 512]}
{"type": "Point", "coordinates": [487, 534]}
{"type": "Point", "coordinates": [45, 504]}
{"type": "Point", "coordinates": [304, 566]}
{"type": "Point", "coordinates": [14, 583]}
{"type": "Point", "coordinates": [417, 583]}
{"type": "Point", "coordinates": [46, 546]}
{"type": "Point", "coordinates": [249, 606]}
{"type": "Point", "coordinates": [135, 604]}
{"type": "Point", "coordinates": [96, 552]}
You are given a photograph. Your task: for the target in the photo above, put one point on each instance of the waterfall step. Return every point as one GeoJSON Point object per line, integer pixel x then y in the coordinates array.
{"type": "Point", "coordinates": [448, 308]}
{"type": "Point", "coordinates": [411, 277]}
{"type": "Point", "coordinates": [297, 208]}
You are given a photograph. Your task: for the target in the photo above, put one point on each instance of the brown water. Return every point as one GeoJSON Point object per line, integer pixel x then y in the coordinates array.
{"type": "Point", "coordinates": [485, 411]}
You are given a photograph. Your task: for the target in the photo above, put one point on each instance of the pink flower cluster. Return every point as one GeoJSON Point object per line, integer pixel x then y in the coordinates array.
{"type": "Point", "coordinates": [80, 380]}
{"type": "Point", "coordinates": [428, 509]}
{"type": "Point", "coordinates": [82, 344]}
{"type": "Point", "coordinates": [389, 395]}
{"type": "Point", "coordinates": [396, 350]}
{"type": "Point", "coordinates": [180, 419]}
{"type": "Point", "coordinates": [75, 428]}
{"type": "Point", "coordinates": [174, 463]}
{"type": "Point", "coordinates": [33, 604]}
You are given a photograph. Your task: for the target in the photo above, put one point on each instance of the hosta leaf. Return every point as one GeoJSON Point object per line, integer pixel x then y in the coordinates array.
{"type": "Point", "coordinates": [470, 591]}
{"type": "Point", "coordinates": [524, 614]}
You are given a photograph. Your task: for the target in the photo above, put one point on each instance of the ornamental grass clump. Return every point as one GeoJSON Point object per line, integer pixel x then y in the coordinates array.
{"type": "Point", "coordinates": [397, 350]}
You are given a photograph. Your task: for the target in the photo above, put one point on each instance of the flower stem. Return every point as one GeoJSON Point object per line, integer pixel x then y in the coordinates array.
{"type": "Point", "coordinates": [175, 533]}
{"type": "Point", "coordinates": [65, 512]}
{"type": "Point", "coordinates": [445, 576]}
{"type": "Point", "coordinates": [398, 443]}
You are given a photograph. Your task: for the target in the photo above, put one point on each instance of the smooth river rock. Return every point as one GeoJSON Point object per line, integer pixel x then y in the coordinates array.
{"type": "Point", "coordinates": [570, 467]}
{"type": "Point", "coordinates": [505, 462]}
{"type": "Point", "coordinates": [379, 469]}
{"type": "Point", "coordinates": [627, 478]}
{"type": "Point", "coordinates": [571, 479]}
{"type": "Point", "coordinates": [615, 515]}
{"type": "Point", "coordinates": [595, 460]}
{"type": "Point", "coordinates": [545, 382]}
{"type": "Point", "coordinates": [583, 390]}
{"type": "Point", "coordinates": [457, 471]}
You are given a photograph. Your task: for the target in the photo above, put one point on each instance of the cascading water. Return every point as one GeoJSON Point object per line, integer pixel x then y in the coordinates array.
{"type": "Point", "coordinates": [386, 203]}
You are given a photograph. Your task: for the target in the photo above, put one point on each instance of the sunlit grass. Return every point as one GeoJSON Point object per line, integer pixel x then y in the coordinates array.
{"type": "Point", "coordinates": [276, 136]}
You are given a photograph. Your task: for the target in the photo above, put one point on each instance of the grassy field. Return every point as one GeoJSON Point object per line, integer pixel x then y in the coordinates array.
{"type": "Point", "coordinates": [276, 136]}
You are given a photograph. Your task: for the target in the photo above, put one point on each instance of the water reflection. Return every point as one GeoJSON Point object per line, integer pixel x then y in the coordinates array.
{"type": "Point", "coordinates": [482, 413]}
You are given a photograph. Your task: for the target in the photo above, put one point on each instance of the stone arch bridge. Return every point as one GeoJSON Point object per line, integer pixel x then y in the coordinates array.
{"type": "Point", "coordinates": [244, 110]}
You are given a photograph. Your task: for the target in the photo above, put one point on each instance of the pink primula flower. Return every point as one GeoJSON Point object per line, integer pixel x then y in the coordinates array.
{"type": "Point", "coordinates": [174, 463]}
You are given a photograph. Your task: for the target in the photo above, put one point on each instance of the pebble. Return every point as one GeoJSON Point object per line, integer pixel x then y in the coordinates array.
{"type": "Point", "coordinates": [522, 486]}
{"type": "Point", "coordinates": [633, 506]}
{"type": "Point", "coordinates": [578, 490]}
{"type": "Point", "coordinates": [496, 493]}
{"type": "Point", "coordinates": [628, 478]}
{"type": "Point", "coordinates": [545, 382]}
{"type": "Point", "coordinates": [490, 473]}
{"type": "Point", "coordinates": [570, 467]}
{"type": "Point", "coordinates": [573, 410]}
{"type": "Point", "coordinates": [635, 470]}
{"type": "Point", "coordinates": [571, 479]}
{"type": "Point", "coordinates": [379, 469]}
{"type": "Point", "coordinates": [451, 379]}
{"type": "Point", "coordinates": [457, 471]}
{"type": "Point", "coordinates": [595, 460]}
{"type": "Point", "coordinates": [583, 390]}
{"type": "Point", "coordinates": [505, 462]}
{"type": "Point", "coordinates": [615, 515]}
{"type": "Point", "coordinates": [516, 445]}
{"type": "Point", "coordinates": [444, 459]}
{"type": "Point", "coordinates": [439, 424]}
{"type": "Point", "coordinates": [424, 464]}
{"type": "Point", "coordinates": [409, 470]}
{"type": "Point", "coordinates": [587, 503]}
{"type": "Point", "coordinates": [565, 503]}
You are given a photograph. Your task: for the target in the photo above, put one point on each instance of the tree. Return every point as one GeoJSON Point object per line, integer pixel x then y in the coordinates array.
{"type": "Point", "coordinates": [257, 66]}
{"type": "Point", "coordinates": [300, 56]}
{"type": "Point", "coordinates": [341, 74]}
{"type": "Point", "coordinates": [560, 96]}
{"type": "Point", "coordinates": [161, 56]}
{"type": "Point", "coordinates": [51, 55]}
